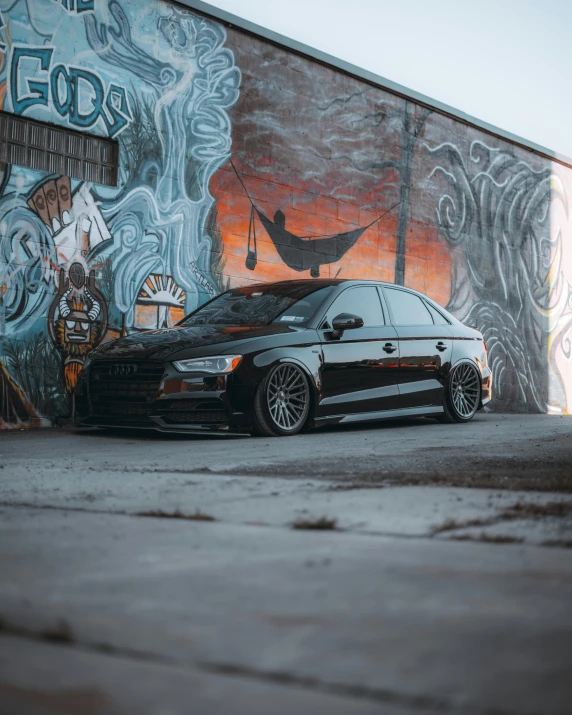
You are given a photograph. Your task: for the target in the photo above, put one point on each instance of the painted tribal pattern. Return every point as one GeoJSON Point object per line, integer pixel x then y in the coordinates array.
{"type": "Point", "coordinates": [508, 278]}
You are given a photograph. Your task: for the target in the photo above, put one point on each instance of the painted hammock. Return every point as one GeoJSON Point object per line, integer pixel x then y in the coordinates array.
{"type": "Point", "coordinates": [301, 253]}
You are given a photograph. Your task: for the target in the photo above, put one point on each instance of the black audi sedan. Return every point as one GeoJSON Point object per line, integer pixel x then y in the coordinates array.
{"type": "Point", "coordinates": [274, 359]}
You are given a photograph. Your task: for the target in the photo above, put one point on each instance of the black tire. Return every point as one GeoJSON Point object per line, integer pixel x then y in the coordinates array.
{"type": "Point", "coordinates": [462, 394]}
{"type": "Point", "coordinates": [281, 404]}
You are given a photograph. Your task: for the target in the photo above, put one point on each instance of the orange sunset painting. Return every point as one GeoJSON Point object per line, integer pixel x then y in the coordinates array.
{"type": "Point", "coordinates": [324, 165]}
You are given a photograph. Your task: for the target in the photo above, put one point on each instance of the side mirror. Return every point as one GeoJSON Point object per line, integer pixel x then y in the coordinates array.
{"type": "Point", "coordinates": [345, 321]}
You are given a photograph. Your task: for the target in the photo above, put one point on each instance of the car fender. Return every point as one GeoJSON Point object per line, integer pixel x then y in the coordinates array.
{"type": "Point", "coordinates": [309, 359]}
{"type": "Point", "coordinates": [468, 350]}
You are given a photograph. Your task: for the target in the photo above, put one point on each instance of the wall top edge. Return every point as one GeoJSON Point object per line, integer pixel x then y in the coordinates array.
{"type": "Point", "coordinates": [370, 77]}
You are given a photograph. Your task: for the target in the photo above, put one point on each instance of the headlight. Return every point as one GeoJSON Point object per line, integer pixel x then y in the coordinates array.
{"type": "Point", "coordinates": [218, 364]}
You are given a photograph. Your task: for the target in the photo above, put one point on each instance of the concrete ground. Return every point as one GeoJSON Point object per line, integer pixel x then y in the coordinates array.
{"type": "Point", "coordinates": [399, 568]}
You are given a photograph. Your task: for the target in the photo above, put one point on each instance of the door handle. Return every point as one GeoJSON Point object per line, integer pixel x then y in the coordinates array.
{"type": "Point", "coordinates": [441, 346]}
{"type": "Point", "coordinates": [389, 348]}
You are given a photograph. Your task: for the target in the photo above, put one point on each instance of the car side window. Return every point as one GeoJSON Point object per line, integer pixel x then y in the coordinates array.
{"type": "Point", "coordinates": [362, 301]}
{"type": "Point", "coordinates": [438, 319]}
{"type": "Point", "coordinates": [407, 308]}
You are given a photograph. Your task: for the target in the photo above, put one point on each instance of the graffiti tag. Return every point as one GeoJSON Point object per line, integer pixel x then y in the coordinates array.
{"type": "Point", "coordinates": [73, 92]}
{"type": "Point", "coordinates": [201, 280]}
{"type": "Point", "coordinates": [77, 5]}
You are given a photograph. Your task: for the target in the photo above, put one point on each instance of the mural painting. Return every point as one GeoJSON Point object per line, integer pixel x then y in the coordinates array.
{"type": "Point", "coordinates": [241, 162]}
{"type": "Point", "coordinates": [80, 263]}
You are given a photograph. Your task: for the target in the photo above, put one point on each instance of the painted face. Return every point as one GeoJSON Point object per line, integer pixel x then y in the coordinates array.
{"type": "Point", "coordinates": [77, 327]}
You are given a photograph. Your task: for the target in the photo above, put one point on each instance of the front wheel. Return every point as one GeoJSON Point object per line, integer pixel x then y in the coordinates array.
{"type": "Point", "coordinates": [462, 394]}
{"type": "Point", "coordinates": [282, 402]}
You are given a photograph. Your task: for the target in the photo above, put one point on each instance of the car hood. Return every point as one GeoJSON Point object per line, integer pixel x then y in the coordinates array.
{"type": "Point", "coordinates": [180, 342]}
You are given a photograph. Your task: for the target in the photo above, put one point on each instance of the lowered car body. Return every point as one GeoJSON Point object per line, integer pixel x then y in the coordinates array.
{"type": "Point", "coordinates": [276, 358]}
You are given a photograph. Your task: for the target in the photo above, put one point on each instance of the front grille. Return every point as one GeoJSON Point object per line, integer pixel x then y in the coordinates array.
{"type": "Point", "coordinates": [197, 411]}
{"type": "Point", "coordinates": [199, 417]}
{"type": "Point", "coordinates": [124, 389]}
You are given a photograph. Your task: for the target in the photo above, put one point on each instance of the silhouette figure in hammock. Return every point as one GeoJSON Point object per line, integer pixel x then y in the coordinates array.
{"type": "Point", "coordinates": [301, 253]}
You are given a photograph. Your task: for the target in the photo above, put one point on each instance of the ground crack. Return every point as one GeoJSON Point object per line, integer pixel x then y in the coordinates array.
{"type": "Point", "coordinates": [62, 636]}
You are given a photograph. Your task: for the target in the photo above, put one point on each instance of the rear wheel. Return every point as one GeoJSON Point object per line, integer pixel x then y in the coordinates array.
{"type": "Point", "coordinates": [462, 394]}
{"type": "Point", "coordinates": [282, 402]}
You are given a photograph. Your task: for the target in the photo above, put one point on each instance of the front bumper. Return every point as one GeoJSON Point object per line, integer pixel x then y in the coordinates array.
{"type": "Point", "coordinates": [156, 396]}
{"type": "Point", "coordinates": [157, 424]}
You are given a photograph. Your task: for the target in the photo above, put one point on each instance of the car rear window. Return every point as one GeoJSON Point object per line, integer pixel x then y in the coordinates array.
{"type": "Point", "coordinates": [407, 308]}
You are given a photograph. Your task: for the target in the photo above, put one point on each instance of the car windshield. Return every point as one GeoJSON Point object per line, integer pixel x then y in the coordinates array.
{"type": "Point", "coordinates": [261, 305]}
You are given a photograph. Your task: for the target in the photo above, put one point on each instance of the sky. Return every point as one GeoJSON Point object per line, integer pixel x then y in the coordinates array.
{"type": "Point", "coordinates": [506, 62]}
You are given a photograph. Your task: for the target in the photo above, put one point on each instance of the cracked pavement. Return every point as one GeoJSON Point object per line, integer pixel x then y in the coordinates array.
{"type": "Point", "coordinates": [445, 586]}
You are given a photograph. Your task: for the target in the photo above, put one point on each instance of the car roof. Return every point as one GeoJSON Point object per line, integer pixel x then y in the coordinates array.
{"type": "Point", "coordinates": [323, 282]}
{"type": "Point", "coordinates": [302, 281]}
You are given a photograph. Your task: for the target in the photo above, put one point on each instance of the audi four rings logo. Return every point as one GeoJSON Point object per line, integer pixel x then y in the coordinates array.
{"type": "Point", "coordinates": [123, 370]}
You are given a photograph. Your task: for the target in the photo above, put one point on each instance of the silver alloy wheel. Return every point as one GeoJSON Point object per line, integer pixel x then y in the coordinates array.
{"type": "Point", "coordinates": [465, 390]}
{"type": "Point", "coordinates": [288, 397]}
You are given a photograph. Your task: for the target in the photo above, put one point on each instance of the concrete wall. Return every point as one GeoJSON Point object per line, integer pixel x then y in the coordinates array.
{"type": "Point", "coordinates": [480, 225]}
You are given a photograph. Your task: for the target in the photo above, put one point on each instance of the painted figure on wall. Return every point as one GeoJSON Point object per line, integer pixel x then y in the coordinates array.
{"type": "Point", "coordinates": [77, 320]}
{"type": "Point", "coordinates": [301, 253]}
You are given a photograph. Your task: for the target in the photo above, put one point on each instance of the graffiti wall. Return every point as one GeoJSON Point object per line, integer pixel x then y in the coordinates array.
{"type": "Point", "coordinates": [80, 263]}
{"type": "Point", "coordinates": [242, 162]}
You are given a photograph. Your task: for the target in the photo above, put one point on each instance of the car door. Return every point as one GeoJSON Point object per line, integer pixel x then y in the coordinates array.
{"type": "Point", "coordinates": [424, 348]}
{"type": "Point", "coordinates": [359, 369]}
